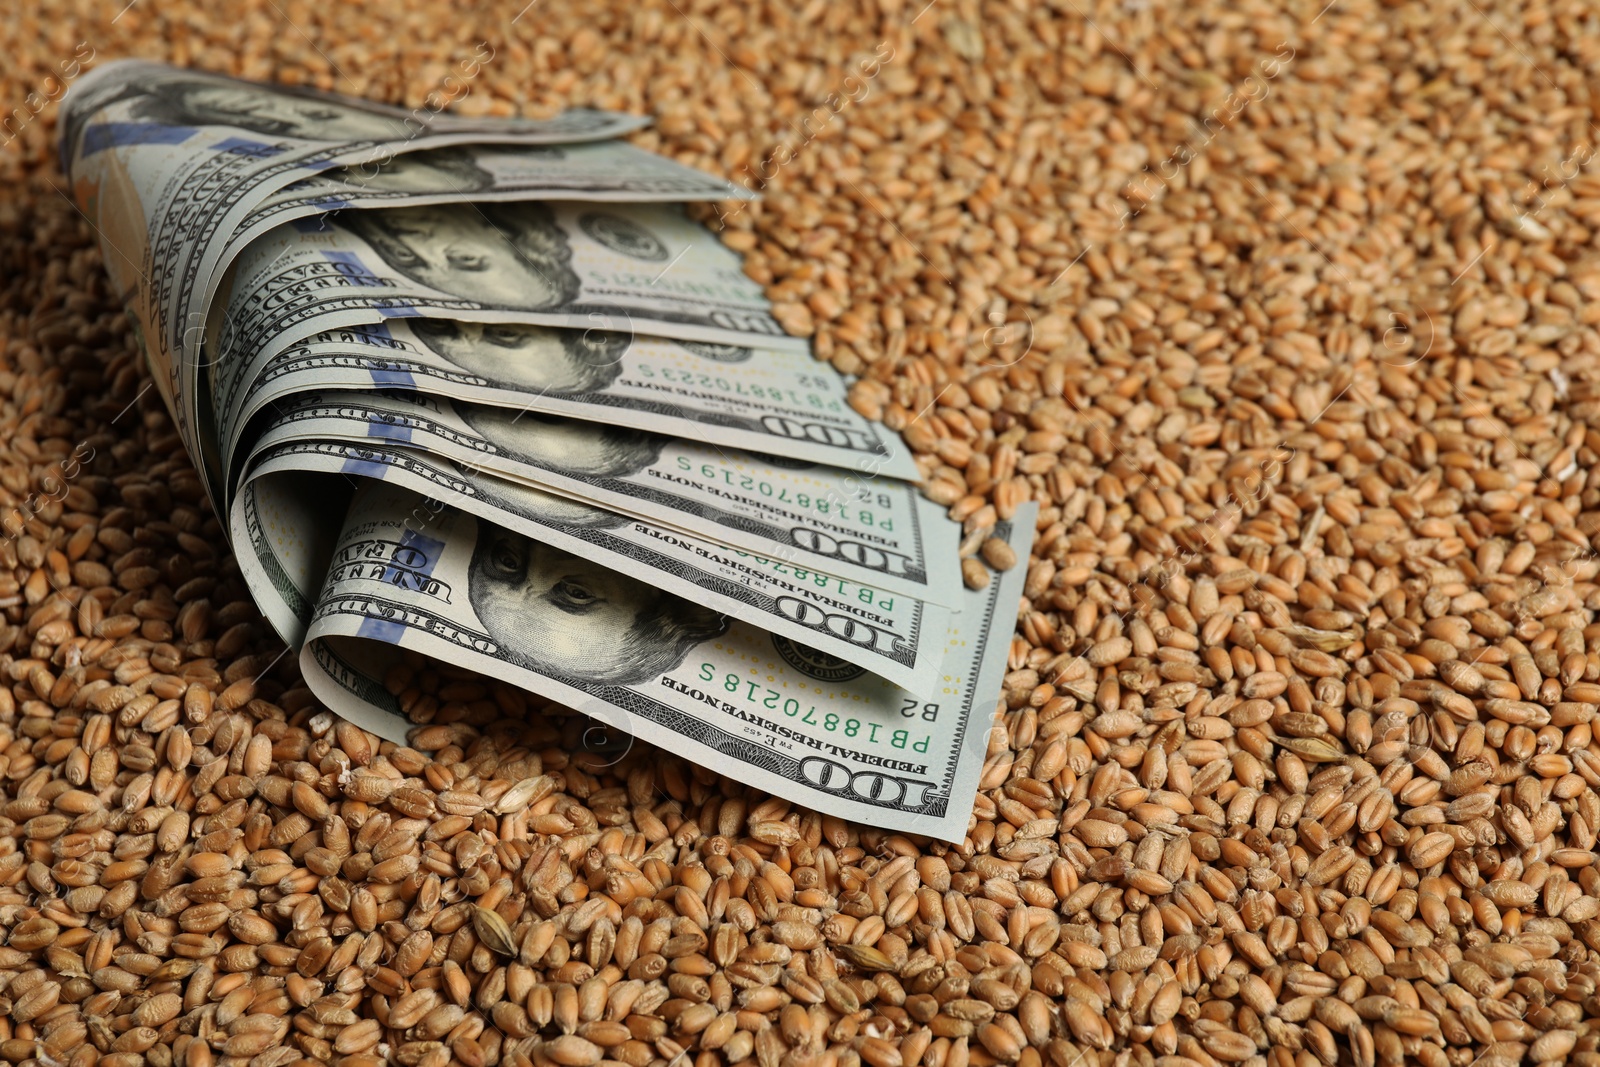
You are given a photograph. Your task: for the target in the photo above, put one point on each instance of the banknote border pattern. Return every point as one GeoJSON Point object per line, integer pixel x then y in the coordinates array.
{"type": "Point", "coordinates": [904, 653]}
{"type": "Point", "coordinates": [630, 702]}
{"type": "Point", "coordinates": [304, 406]}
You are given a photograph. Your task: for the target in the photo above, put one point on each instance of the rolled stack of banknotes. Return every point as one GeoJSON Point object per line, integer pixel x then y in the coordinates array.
{"type": "Point", "coordinates": [480, 390]}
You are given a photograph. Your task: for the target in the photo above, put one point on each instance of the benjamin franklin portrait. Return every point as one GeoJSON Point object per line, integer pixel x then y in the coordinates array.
{"type": "Point", "coordinates": [433, 172]}
{"type": "Point", "coordinates": [567, 446]}
{"type": "Point", "coordinates": [533, 359]}
{"type": "Point", "coordinates": [511, 256]}
{"type": "Point", "coordinates": [555, 613]}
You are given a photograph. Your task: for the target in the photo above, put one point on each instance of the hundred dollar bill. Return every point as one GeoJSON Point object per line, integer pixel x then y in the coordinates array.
{"type": "Point", "coordinates": [166, 163]}
{"type": "Point", "coordinates": [762, 400]}
{"type": "Point", "coordinates": [868, 627]}
{"type": "Point", "coordinates": [876, 531]}
{"type": "Point", "coordinates": [724, 694]}
{"type": "Point", "coordinates": [880, 631]}
{"type": "Point", "coordinates": [635, 268]}
{"type": "Point", "coordinates": [597, 171]}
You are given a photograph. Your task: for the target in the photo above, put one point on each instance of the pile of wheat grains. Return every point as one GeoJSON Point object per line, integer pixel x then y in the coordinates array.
{"type": "Point", "coordinates": [1283, 313]}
